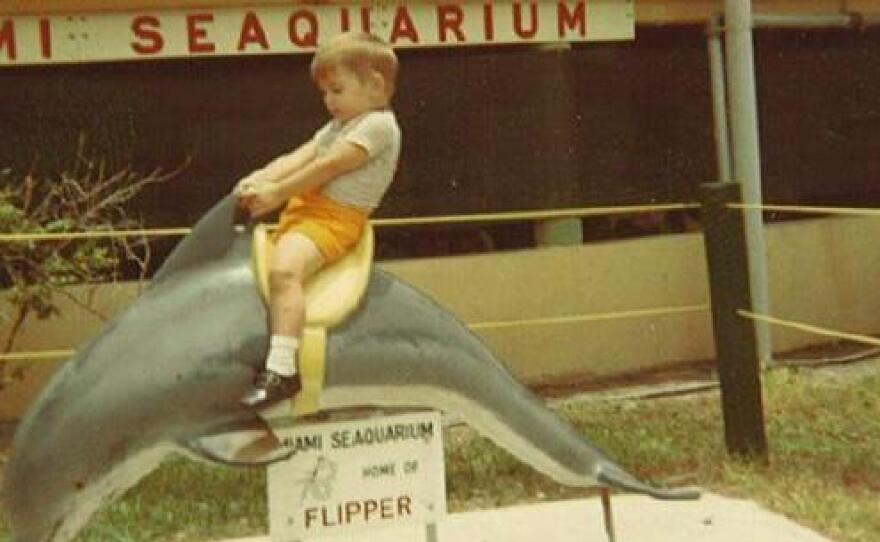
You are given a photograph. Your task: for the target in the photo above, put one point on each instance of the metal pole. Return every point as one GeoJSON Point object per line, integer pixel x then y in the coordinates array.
{"type": "Point", "coordinates": [431, 532]}
{"type": "Point", "coordinates": [607, 514]}
{"type": "Point", "coordinates": [719, 98]}
{"type": "Point", "coordinates": [747, 156]}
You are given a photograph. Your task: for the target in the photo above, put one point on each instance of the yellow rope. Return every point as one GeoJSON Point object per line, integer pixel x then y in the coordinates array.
{"type": "Point", "coordinates": [534, 215]}
{"type": "Point", "coordinates": [554, 320]}
{"type": "Point", "coordinates": [36, 356]}
{"type": "Point", "coordinates": [806, 209]}
{"type": "Point", "coordinates": [512, 216]}
{"type": "Point", "coordinates": [379, 222]}
{"type": "Point", "coordinates": [27, 237]}
{"type": "Point", "coordinates": [866, 339]}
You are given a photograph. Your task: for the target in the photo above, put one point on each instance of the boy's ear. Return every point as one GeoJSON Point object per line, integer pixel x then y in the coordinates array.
{"type": "Point", "coordinates": [377, 82]}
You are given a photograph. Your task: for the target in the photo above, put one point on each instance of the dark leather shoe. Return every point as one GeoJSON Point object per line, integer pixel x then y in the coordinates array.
{"type": "Point", "coordinates": [271, 387]}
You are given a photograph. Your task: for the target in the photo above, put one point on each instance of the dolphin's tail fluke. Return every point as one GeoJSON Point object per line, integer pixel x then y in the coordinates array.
{"type": "Point", "coordinates": [620, 480]}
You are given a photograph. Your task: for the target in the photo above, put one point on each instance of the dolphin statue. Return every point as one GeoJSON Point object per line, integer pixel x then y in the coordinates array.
{"type": "Point", "coordinates": [167, 374]}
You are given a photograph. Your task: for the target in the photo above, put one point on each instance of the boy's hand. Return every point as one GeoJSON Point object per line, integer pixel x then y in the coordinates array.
{"type": "Point", "coordinates": [261, 200]}
{"type": "Point", "coordinates": [245, 185]}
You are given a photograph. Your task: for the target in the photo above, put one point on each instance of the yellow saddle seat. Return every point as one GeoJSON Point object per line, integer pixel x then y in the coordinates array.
{"type": "Point", "coordinates": [334, 291]}
{"type": "Point", "coordinates": [332, 294]}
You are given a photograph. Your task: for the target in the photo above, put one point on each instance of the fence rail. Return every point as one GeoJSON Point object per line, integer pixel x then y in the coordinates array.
{"type": "Point", "coordinates": [513, 216]}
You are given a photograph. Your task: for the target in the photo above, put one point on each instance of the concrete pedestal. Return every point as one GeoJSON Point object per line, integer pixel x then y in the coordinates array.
{"type": "Point", "coordinates": [712, 518]}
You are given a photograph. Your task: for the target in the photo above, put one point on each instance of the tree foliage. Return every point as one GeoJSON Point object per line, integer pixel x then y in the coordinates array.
{"type": "Point", "coordinates": [41, 254]}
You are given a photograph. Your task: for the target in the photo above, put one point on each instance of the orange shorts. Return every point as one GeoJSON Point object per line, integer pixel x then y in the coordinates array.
{"type": "Point", "coordinates": [333, 227]}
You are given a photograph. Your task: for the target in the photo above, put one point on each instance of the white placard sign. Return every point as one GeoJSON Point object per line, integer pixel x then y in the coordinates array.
{"type": "Point", "coordinates": [347, 476]}
{"type": "Point", "coordinates": [299, 28]}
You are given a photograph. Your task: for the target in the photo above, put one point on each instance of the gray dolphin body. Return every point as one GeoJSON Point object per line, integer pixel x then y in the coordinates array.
{"type": "Point", "coordinates": [168, 373]}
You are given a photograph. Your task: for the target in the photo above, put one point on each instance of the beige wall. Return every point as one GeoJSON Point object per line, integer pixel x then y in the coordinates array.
{"type": "Point", "coordinates": [821, 272]}
{"type": "Point", "coordinates": [825, 272]}
{"type": "Point", "coordinates": [588, 279]}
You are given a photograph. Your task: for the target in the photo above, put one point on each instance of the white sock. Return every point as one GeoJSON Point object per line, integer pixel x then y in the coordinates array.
{"type": "Point", "coordinates": [282, 354]}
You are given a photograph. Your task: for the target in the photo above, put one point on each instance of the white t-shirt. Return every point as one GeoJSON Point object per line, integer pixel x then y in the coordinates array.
{"type": "Point", "coordinates": [377, 133]}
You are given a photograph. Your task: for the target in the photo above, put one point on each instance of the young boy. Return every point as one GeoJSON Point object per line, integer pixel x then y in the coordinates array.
{"type": "Point", "coordinates": [330, 184]}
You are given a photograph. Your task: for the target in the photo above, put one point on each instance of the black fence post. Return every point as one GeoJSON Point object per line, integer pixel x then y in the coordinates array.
{"type": "Point", "coordinates": [735, 340]}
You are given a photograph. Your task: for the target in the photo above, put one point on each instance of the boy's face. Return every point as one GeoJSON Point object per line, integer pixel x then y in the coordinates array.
{"type": "Point", "coordinates": [345, 95]}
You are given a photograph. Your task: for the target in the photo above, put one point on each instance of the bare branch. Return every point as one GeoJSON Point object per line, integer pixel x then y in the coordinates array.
{"type": "Point", "coordinates": [83, 198]}
{"type": "Point", "coordinates": [86, 305]}
{"type": "Point", "coordinates": [21, 315]}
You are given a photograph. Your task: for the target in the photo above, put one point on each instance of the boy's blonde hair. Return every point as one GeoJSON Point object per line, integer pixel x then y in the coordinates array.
{"type": "Point", "coordinates": [360, 52]}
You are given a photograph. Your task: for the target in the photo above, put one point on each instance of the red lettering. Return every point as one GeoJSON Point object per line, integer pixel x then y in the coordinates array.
{"type": "Point", "coordinates": [449, 17]}
{"type": "Point", "coordinates": [403, 505]}
{"type": "Point", "coordinates": [325, 521]}
{"type": "Point", "coordinates": [488, 22]}
{"type": "Point", "coordinates": [518, 22]}
{"type": "Point", "coordinates": [45, 38]}
{"type": "Point", "coordinates": [352, 508]}
{"type": "Point", "coordinates": [569, 20]}
{"type": "Point", "coordinates": [370, 506]}
{"type": "Point", "coordinates": [196, 33]}
{"type": "Point", "coordinates": [146, 29]}
{"type": "Point", "coordinates": [403, 27]}
{"type": "Point", "coordinates": [387, 511]}
{"type": "Point", "coordinates": [310, 37]}
{"type": "Point", "coordinates": [7, 39]}
{"type": "Point", "coordinates": [344, 19]}
{"type": "Point", "coordinates": [252, 32]}
{"type": "Point", "coordinates": [365, 20]}
{"type": "Point", "coordinates": [367, 510]}
{"type": "Point", "coordinates": [311, 515]}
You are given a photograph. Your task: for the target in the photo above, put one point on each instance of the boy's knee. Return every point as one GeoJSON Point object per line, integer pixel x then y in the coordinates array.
{"type": "Point", "coordinates": [284, 277]}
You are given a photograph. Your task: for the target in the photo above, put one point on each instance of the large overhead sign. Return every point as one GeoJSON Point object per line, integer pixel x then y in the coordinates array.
{"type": "Point", "coordinates": [205, 32]}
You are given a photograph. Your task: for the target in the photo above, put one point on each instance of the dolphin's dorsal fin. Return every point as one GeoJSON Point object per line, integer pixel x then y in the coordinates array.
{"type": "Point", "coordinates": [210, 239]}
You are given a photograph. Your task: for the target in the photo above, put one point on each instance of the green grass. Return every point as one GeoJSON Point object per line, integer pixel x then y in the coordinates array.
{"type": "Point", "coordinates": [824, 470]}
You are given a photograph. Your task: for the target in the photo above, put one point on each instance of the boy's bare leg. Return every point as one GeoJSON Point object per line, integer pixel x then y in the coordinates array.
{"type": "Point", "coordinates": [294, 259]}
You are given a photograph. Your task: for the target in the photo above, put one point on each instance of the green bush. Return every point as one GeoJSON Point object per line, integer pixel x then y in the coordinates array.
{"type": "Point", "coordinates": [40, 254]}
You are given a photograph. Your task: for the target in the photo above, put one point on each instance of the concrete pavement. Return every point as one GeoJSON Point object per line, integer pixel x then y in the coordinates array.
{"type": "Point", "coordinates": [712, 518]}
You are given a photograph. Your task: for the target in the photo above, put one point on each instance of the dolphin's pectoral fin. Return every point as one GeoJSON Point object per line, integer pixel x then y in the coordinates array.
{"type": "Point", "coordinates": [248, 442]}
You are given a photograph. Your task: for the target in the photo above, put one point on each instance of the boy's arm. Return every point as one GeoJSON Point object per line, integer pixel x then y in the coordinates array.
{"type": "Point", "coordinates": [341, 158]}
{"type": "Point", "coordinates": [286, 164]}
{"type": "Point", "coordinates": [278, 168]}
